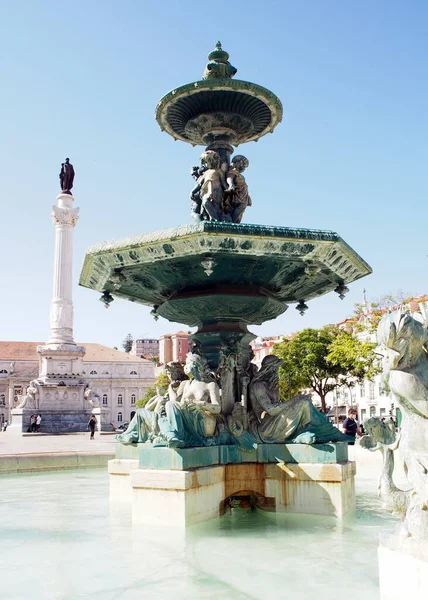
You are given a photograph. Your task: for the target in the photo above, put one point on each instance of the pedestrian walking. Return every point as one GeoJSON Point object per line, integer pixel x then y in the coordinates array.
{"type": "Point", "coordinates": [5, 424]}
{"type": "Point", "coordinates": [91, 426]}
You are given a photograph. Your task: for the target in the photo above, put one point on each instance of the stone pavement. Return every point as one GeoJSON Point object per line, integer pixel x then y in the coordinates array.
{"type": "Point", "coordinates": [14, 443]}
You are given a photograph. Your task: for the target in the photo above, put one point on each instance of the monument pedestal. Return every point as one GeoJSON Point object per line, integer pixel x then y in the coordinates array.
{"type": "Point", "coordinates": [164, 486]}
{"type": "Point", "coordinates": [403, 568]}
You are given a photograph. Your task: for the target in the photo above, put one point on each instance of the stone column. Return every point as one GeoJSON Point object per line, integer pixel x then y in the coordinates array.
{"type": "Point", "coordinates": [64, 217]}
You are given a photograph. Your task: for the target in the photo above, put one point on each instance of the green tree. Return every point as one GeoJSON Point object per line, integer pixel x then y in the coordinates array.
{"type": "Point", "coordinates": [356, 358]}
{"type": "Point", "coordinates": [160, 386]}
{"type": "Point", "coordinates": [127, 343]}
{"type": "Point", "coordinates": [150, 392]}
{"type": "Point", "coordinates": [323, 360]}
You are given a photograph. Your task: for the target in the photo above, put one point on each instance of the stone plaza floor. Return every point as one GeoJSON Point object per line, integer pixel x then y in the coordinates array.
{"type": "Point", "coordinates": [62, 541]}
{"type": "Point", "coordinates": [12, 442]}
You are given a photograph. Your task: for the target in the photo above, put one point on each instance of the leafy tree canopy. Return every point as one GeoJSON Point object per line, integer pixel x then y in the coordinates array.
{"type": "Point", "coordinates": [323, 359]}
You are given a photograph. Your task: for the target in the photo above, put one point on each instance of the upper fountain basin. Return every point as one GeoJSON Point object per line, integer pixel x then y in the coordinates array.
{"type": "Point", "coordinates": [210, 270]}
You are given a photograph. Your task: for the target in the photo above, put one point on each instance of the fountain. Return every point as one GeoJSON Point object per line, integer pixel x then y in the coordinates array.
{"type": "Point", "coordinates": [223, 434]}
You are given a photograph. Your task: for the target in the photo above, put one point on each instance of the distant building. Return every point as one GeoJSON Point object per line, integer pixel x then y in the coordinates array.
{"type": "Point", "coordinates": [174, 347]}
{"type": "Point", "coordinates": [145, 348]}
{"type": "Point", "coordinates": [118, 378]}
{"type": "Point", "coordinates": [263, 347]}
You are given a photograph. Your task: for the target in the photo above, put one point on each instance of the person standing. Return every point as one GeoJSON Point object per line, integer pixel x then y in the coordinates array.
{"type": "Point", "coordinates": [91, 426]}
{"type": "Point", "coordinates": [38, 421]}
{"type": "Point", "coordinates": [350, 425]}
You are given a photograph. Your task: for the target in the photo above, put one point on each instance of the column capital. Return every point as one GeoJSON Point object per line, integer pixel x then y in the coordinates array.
{"type": "Point", "coordinates": [64, 217]}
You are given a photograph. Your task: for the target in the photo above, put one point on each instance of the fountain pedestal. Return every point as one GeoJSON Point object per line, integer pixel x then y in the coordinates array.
{"type": "Point", "coordinates": [178, 488]}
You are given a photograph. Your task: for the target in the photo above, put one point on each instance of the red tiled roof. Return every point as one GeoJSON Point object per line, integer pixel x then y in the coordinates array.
{"type": "Point", "coordinates": [94, 353]}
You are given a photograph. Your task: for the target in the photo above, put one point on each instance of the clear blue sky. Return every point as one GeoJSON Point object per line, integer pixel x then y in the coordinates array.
{"type": "Point", "coordinates": [82, 79]}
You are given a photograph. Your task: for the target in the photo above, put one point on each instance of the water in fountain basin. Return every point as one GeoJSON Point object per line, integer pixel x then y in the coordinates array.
{"type": "Point", "coordinates": [61, 541]}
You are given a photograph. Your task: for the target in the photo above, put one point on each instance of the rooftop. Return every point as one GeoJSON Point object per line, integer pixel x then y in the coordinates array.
{"type": "Point", "coordinates": [15, 351]}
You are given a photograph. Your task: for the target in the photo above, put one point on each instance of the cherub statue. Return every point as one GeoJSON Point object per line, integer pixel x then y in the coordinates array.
{"type": "Point", "coordinates": [207, 195]}
{"type": "Point", "coordinates": [197, 212]}
{"type": "Point", "coordinates": [236, 194]}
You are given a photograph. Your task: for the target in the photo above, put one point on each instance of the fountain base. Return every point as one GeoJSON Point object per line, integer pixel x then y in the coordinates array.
{"type": "Point", "coordinates": [181, 491]}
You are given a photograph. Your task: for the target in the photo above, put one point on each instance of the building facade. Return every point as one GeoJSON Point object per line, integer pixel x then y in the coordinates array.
{"type": "Point", "coordinates": [117, 378]}
{"type": "Point", "coordinates": [145, 348]}
{"type": "Point", "coordinates": [174, 347]}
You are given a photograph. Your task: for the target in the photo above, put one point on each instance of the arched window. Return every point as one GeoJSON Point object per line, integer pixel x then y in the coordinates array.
{"type": "Point", "coordinates": [120, 399]}
{"type": "Point", "coordinates": [133, 398]}
{"type": "Point", "coordinates": [119, 417]}
{"type": "Point", "coordinates": [3, 372]}
{"type": "Point", "coordinates": [104, 399]}
{"type": "Point", "coordinates": [133, 373]}
{"type": "Point", "coordinates": [2, 400]}
{"type": "Point", "coordinates": [93, 373]}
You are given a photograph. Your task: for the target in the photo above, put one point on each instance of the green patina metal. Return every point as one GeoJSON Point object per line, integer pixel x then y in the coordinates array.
{"type": "Point", "coordinates": [193, 458]}
{"type": "Point", "coordinates": [218, 107]}
{"type": "Point", "coordinates": [215, 270]}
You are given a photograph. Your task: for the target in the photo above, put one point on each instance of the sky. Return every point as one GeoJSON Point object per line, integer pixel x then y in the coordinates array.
{"type": "Point", "coordinates": [82, 80]}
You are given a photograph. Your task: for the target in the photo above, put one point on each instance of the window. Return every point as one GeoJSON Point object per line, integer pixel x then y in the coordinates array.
{"type": "Point", "coordinates": [119, 417]}
{"type": "Point", "coordinates": [361, 390]}
{"type": "Point", "coordinates": [371, 391]}
{"type": "Point", "coordinates": [3, 372]}
{"type": "Point", "coordinates": [133, 373]}
{"type": "Point", "coordinates": [120, 399]}
{"type": "Point", "coordinates": [93, 373]}
{"type": "Point", "coordinates": [2, 400]}
{"type": "Point", "coordinates": [372, 411]}
{"type": "Point", "coordinates": [133, 398]}
{"type": "Point", "coordinates": [363, 414]}
{"type": "Point", "coordinates": [382, 412]}
{"type": "Point", "coordinates": [105, 399]}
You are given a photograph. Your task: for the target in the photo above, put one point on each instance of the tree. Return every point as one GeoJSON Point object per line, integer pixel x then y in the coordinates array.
{"type": "Point", "coordinates": [356, 358]}
{"type": "Point", "coordinates": [127, 343]}
{"type": "Point", "coordinates": [323, 360]}
{"type": "Point", "coordinates": [160, 387]}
